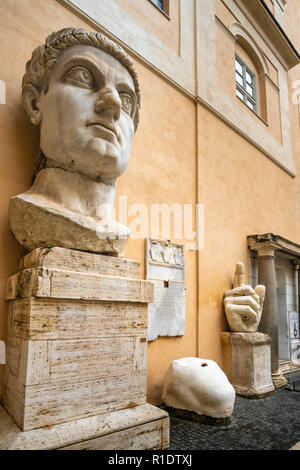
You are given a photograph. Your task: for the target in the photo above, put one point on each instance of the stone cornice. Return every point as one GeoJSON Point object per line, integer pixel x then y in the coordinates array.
{"type": "Point", "coordinates": [259, 14]}
{"type": "Point", "coordinates": [276, 241]}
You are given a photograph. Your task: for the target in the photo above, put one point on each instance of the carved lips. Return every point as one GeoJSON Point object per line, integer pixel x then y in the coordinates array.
{"type": "Point", "coordinates": [106, 131]}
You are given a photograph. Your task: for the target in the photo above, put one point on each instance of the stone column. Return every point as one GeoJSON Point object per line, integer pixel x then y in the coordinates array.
{"type": "Point", "coordinates": [296, 263]}
{"type": "Point", "coordinates": [295, 346]}
{"type": "Point", "coordinates": [269, 320]}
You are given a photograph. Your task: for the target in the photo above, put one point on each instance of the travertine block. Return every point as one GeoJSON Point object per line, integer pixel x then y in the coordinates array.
{"type": "Point", "coordinates": [57, 402]}
{"type": "Point", "coordinates": [147, 436]}
{"type": "Point", "coordinates": [40, 318]}
{"type": "Point", "coordinates": [77, 340]}
{"type": "Point", "coordinates": [80, 261]}
{"type": "Point", "coordinates": [251, 362]}
{"type": "Point", "coordinates": [139, 427]}
{"type": "Point", "coordinates": [59, 284]}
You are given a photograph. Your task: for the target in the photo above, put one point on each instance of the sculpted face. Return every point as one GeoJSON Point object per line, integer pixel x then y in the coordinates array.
{"type": "Point", "coordinates": [87, 113]}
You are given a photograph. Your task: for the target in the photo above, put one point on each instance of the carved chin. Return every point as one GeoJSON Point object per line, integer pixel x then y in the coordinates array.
{"type": "Point", "coordinates": [95, 159]}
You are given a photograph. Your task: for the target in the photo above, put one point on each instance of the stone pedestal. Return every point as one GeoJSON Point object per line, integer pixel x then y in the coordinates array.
{"type": "Point", "coordinates": [76, 350]}
{"type": "Point", "coordinates": [250, 355]}
{"type": "Point", "coordinates": [137, 428]}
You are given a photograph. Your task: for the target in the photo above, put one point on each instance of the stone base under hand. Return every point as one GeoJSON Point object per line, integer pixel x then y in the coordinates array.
{"type": "Point", "coordinates": [143, 427]}
{"type": "Point", "coordinates": [250, 362]}
{"type": "Point", "coordinates": [278, 380]}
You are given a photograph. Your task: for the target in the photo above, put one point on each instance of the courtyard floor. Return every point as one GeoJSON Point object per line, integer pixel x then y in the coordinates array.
{"type": "Point", "coordinates": [271, 423]}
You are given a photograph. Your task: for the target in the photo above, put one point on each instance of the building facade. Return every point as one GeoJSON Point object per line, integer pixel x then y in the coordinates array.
{"type": "Point", "coordinates": [219, 136]}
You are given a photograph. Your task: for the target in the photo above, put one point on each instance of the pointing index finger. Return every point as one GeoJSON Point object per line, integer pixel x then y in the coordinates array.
{"type": "Point", "coordinates": [239, 275]}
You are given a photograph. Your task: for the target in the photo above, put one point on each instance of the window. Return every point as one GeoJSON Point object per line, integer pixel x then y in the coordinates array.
{"type": "Point", "coordinates": [163, 5]}
{"type": "Point", "coordinates": [159, 3]}
{"type": "Point", "coordinates": [246, 88]}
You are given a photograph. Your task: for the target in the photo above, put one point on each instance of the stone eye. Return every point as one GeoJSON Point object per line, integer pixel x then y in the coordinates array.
{"type": "Point", "coordinates": [80, 76]}
{"type": "Point", "coordinates": [127, 103]}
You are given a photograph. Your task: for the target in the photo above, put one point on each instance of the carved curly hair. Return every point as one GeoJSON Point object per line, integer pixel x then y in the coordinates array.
{"type": "Point", "coordinates": [44, 57]}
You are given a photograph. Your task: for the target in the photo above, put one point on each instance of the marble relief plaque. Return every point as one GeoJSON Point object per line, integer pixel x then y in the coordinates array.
{"type": "Point", "coordinates": [165, 268]}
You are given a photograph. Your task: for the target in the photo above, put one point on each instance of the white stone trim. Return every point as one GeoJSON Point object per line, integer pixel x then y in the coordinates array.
{"type": "Point", "coordinates": [279, 11]}
{"type": "Point", "coordinates": [237, 31]}
{"type": "Point", "coordinates": [224, 28]}
{"type": "Point", "coordinates": [271, 81]}
{"type": "Point", "coordinates": [256, 31]}
{"type": "Point", "coordinates": [281, 3]}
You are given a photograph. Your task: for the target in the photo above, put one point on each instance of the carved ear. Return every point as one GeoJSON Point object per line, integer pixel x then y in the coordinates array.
{"type": "Point", "coordinates": [31, 97]}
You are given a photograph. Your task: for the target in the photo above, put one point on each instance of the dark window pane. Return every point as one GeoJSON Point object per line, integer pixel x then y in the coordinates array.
{"type": "Point", "coordinates": [239, 94]}
{"type": "Point", "coordinates": [245, 84]}
{"type": "Point", "coordinates": [158, 3]}
{"type": "Point", "coordinates": [250, 104]}
{"type": "Point", "coordinates": [249, 78]}
{"type": "Point", "coordinates": [238, 67]}
{"type": "Point", "coordinates": [239, 79]}
{"type": "Point", "coordinates": [249, 89]}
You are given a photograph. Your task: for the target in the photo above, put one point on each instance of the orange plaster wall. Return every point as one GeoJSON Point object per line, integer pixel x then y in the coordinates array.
{"type": "Point", "coordinates": [273, 71]}
{"type": "Point", "coordinates": [224, 14]}
{"type": "Point", "coordinates": [225, 65]}
{"type": "Point", "coordinates": [155, 22]}
{"type": "Point", "coordinates": [273, 111]}
{"type": "Point", "coordinates": [291, 23]}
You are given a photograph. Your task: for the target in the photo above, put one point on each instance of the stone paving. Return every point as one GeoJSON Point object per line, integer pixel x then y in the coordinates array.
{"type": "Point", "coordinates": [271, 423]}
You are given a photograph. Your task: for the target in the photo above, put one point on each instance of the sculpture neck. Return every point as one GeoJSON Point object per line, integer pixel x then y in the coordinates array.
{"type": "Point", "coordinates": [76, 192]}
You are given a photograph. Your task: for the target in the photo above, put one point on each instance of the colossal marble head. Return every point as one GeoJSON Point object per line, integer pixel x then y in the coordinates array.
{"type": "Point", "coordinates": [83, 91]}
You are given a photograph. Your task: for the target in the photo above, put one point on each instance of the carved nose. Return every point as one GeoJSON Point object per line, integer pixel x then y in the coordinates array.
{"type": "Point", "coordinates": [109, 103]}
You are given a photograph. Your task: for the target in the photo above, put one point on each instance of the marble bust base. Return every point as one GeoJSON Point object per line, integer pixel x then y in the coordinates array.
{"type": "Point", "coordinates": [36, 225]}
{"type": "Point", "coordinates": [56, 211]}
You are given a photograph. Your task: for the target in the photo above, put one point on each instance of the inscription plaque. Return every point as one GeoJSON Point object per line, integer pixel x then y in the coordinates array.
{"type": "Point", "coordinates": [166, 269]}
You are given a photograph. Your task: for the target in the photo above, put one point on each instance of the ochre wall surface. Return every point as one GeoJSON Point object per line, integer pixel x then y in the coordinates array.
{"type": "Point", "coordinates": [291, 24]}
{"type": "Point", "coordinates": [182, 153]}
{"type": "Point", "coordinates": [155, 22]}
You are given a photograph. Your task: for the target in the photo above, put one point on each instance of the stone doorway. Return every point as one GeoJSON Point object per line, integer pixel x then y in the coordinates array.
{"type": "Point", "coordinates": [283, 277]}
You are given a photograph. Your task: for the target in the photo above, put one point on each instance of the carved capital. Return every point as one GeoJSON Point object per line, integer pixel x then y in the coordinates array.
{"type": "Point", "coordinates": [265, 249]}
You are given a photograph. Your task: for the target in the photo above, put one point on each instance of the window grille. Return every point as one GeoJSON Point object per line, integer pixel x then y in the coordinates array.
{"type": "Point", "coordinates": [246, 88]}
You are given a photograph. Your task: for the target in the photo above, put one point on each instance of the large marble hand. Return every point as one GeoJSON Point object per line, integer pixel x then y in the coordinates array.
{"type": "Point", "coordinates": [243, 304]}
